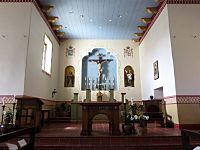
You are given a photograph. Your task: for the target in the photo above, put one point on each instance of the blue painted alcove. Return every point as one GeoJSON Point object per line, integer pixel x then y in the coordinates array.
{"type": "Point", "coordinates": [90, 70]}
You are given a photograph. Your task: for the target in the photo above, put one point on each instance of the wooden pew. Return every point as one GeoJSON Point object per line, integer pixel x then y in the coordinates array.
{"type": "Point", "coordinates": [22, 132]}
{"type": "Point", "coordinates": [154, 109]}
{"type": "Point", "coordinates": [187, 137]}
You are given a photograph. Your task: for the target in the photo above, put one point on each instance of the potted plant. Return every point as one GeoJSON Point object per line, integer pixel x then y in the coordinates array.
{"type": "Point", "coordinates": [128, 125]}
{"type": "Point", "coordinates": [137, 112]}
{"type": "Point", "coordinates": [62, 110]}
{"type": "Point", "coordinates": [8, 116]}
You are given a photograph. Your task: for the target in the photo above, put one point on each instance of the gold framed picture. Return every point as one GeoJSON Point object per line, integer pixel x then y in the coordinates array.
{"type": "Point", "coordinates": [156, 70]}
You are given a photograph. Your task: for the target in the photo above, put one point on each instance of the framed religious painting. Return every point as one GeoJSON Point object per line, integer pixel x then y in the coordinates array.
{"type": "Point", "coordinates": [156, 70]}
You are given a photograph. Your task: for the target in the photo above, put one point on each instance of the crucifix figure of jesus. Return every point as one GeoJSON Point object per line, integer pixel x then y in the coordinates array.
{"type": "Point", "coordinates": [99, 63]}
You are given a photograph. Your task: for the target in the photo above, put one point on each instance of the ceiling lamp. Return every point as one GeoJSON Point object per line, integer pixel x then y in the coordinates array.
{"type": "Point", "coordinates": [142, 28]}
{"type": "Point", "coordinates": [52, 19]}
{"type": "Point", "coordinates": [152, 10]}
{"type": "Point", "coordinates": [136, 40]}
{"type": "Point", "coordinates": [56, 27]}
{"type": "Point", "coordinates": [138, 34]}
{"type": "Point", "coordinates": [60, 34]}
{"type": "Point", "coordinates": [47, 8]}
{"type": "Point", "coordinates": [146, 20]}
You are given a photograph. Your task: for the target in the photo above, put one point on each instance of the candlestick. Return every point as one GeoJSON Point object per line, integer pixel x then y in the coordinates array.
{"type": "Point", "coordinates": [131, 102]}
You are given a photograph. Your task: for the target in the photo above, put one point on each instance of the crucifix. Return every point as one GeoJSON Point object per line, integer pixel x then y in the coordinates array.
{"type": "Point", "coordinates": [99, 63]}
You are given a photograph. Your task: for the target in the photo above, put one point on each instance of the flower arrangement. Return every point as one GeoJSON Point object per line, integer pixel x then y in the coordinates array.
{"type": "Point", "coordinates": [137, 111]}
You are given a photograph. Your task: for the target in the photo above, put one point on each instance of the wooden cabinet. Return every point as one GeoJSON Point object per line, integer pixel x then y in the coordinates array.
{"type": "Point", "coordinates": [28, 112]}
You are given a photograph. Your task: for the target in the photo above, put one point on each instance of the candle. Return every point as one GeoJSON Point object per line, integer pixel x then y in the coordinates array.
{"type": "Point", "coordinates": [3, 102]}
{"type": "Point", "coordinates": [131, 102]}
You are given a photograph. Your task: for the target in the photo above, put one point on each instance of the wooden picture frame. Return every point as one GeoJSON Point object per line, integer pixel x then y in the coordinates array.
{"type": "Point", "coordinates": [156, 70]}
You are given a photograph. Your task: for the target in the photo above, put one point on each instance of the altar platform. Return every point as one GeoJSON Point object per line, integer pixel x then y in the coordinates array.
{"type": "Point", "coordinates": [67, 136]}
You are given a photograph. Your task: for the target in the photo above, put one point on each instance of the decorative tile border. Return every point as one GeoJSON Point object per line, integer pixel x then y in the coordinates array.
{"type": "Point", "coordinates": [16, 1]}
{"type": "Point", "coordinates": [183, 99]}
{"type": "Point", "coordinates": [183, 1]}
{"type": "Point", "coordinates": [8, 99]}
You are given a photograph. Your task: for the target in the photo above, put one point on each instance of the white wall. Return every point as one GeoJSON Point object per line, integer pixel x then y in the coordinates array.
{"type": "Point", "coordinates": [37, 83]}
{"type": "Point", "coordinates": [82, 47]}
{"type": "Point", "coordinates": [14, 30]}
{"type": "Point", "coordinates": [157, 46]}
{"type": "Point", "coordinates": [185, 35]}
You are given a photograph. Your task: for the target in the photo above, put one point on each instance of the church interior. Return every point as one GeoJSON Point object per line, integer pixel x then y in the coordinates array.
{"type": "Point", "coordinates": [79, 72]}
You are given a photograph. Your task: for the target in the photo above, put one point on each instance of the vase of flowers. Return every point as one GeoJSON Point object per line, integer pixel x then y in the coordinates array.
{"type": "Point", "coordinates": [143, 120]}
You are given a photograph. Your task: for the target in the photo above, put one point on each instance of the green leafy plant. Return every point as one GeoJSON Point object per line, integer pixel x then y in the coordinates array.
{"type": "Point", "coordinates": [8, 116]}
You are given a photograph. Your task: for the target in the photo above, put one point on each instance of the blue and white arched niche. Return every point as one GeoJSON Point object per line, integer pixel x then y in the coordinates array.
{"type": "Point", "coordinates": [90, 71]}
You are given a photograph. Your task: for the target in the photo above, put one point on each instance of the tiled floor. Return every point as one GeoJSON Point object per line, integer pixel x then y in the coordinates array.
{"type": "Point", "coordinates": [101, 129]}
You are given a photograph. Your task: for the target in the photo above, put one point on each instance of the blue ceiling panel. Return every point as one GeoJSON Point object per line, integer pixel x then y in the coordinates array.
{"type": "Point", "coordinates": [99, 19]}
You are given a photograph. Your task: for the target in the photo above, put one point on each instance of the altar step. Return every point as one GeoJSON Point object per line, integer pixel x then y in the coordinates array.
{"type": "Point", "coordinates": [60, 120]}
{"type": "Point", "coordinates": [109, 143]}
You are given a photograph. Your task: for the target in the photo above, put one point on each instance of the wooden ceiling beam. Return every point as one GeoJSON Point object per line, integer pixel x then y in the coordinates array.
{"type": "Point", "coordinates": [57, 27]}
{"type": "Point", "coordinates": [47, 8]}
{"type": "Point", "coordinates": [152, 10]}
{"type": "Point", "coordinates": [136, 40]}
{"type": "Point", "coordinates": [146, 20]}
{"type": "Point", "coordinates": [62, 39]}
{"type": "Point", "coordinates": [52, 19]}
{"type": "Point", "coordinates": [138, 34]}
{"type": "Point", "coordinates": [142, 28]}
{"type": "Point", "coordinates": [60, 34]}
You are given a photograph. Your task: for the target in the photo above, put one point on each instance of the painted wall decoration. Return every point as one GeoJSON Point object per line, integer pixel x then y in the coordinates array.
{"type": "Point", "coordinates": [128, 51]}
{"type": "Point", "coordinates": [99, 70]}
{"type": "Point", "coordinates": [129, 76]}
{"type": "Point", "coordinates": [70, 51]}
{"type": "Point", "coordinates": [69, 76]}
{"type": "Point", "coordinates": [156, 70]}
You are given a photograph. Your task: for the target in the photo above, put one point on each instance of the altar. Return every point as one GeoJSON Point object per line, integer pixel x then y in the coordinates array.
{"type": "Point", "coordinates": [110, 109]}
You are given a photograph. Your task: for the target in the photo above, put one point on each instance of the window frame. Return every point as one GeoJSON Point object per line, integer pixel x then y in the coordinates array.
{"type": "Point", "coordinates": [44, 55]}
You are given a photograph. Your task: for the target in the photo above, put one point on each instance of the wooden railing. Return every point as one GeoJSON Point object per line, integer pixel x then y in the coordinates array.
{"type": "Point", "coordinates": [187, 137]}
{"type": "Point", "coordinates": [21, 132]}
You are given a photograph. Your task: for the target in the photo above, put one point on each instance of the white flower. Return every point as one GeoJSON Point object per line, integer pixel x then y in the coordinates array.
{"type": "Point", "coordinates": [136, 117]}
{"type": "Point", "coordinates": [4, 112]}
